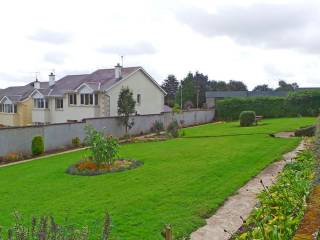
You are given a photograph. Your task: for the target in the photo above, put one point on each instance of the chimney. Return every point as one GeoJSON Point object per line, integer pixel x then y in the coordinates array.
{"type": "Point", "coordinates": [51, 79]}
{"type": "Point", "coordinates": [117, 71]}
{"type": "Point", "coordinates": [36, 84]}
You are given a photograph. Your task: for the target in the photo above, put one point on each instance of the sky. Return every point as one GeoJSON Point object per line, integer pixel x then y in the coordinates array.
{"type": "Point", "coordinates": [254, 41]}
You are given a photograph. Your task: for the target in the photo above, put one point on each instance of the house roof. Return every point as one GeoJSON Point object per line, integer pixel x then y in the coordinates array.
{"type": "Point", "coordinates": [100, 79]}
{"type": "Point", "coordinates": [19, 93]}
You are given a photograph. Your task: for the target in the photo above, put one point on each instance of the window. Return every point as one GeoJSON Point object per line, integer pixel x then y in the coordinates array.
{"type": "Point", "coordinates": [8, 108]}
{"type": "Point", "coordinates": [87, 99]}
{"type": "Point", "coordinates": [59, 103]}
{"type": "Point", "coordinates": [96, 99]}
{"type": "Point", "coordinates": [139, 98]}
{"type": "Point", "coordinates": [73, 99]}
{"type": "Point", "coordinates": [40, 103]}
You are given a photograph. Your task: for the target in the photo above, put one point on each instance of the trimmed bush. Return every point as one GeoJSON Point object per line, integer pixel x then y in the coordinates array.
{"type": "Point", "coordinates": [247, 118]}
{"type": "Point", "coordinates": [37, 147]}
{"type": "Point", "coordinates": [305, 103]}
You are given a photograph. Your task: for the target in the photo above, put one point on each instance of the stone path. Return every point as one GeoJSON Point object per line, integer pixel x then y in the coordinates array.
{"type": "Point", "coordinates": [242, 203]}
{"type": "Point", "coordinates": [284, 134]}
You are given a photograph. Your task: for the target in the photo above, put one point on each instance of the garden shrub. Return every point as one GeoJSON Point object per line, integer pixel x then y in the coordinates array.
{"type": "Point", "coordinates": [46, 228]}
{"type": "Point", "coordinates": [305, 103]}
{"type": "Point", "coordinates": [305, 131]}
{"type": "Point", "coordinates": [176, 108]}
{"type": "Point", "coordinates": [37, 145]}
{"type": "Point", "coordinates": [157, 127]}
{"type": "Point", "coordinates": [13, 157]}
{"type": "Point", "coordinates": [247, 118]}
{"type": "Point", "coordinates": [173, 129]}
{"type": "Point", "coordinates": [76, 142]}
{"type": "Point", "coordinates": [103, 149]}
{"type": "Point", "coordinates": [281, 206]}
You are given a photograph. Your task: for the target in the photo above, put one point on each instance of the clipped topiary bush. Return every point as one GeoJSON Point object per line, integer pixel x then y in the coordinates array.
{"type": "Point", "coordinates": [37, 147]}
{"type": "Point", "coordinates": [247, 118]}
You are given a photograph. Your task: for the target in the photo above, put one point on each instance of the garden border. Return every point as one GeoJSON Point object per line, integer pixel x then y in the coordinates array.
{"type": "Point", "coordinates": [226, 221]}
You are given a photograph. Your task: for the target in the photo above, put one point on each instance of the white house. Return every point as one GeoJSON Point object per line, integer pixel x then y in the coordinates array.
{"type": "Point", "coordinates": [75, 97]}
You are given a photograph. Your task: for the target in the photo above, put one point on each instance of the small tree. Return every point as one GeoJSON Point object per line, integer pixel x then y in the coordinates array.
{"type": "Point", "coordinates": [126, 107]}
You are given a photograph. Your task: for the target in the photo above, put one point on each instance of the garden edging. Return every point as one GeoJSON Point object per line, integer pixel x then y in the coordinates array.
{"type": "Point", "coordinates": [226, 221]}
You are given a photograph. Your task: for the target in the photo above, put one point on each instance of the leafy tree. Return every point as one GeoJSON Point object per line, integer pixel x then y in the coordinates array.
{"type": "Point", "coordinates": [283, 86]}
{"type": "Point", "coordinates": [232, 85]}
{"type": "Point", "coordinates": [194, 87]}
{"type": "Point", "coordinates": [188, 90]}
{"type": "Point", "coordinates": [170, 85]}
{"type": "Point", "coordinates": [126, 107]}
{"type": "Point", "coordinates": [236, 86]}
{"type": "Point", "coordinates": [201, 83]}
{"type": "Point", "coordinates": [262, 88]}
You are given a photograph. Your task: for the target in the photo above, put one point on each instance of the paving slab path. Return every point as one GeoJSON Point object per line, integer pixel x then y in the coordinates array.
{"type": "Point", "coordinates": [242, 203]}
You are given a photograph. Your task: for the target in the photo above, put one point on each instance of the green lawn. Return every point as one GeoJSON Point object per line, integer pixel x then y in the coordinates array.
{"type": "Point", "coordinates": [182, 180]}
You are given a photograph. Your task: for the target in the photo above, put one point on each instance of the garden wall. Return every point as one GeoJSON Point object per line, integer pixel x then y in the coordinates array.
{"type": "Point", "coordinates": [57, 136]}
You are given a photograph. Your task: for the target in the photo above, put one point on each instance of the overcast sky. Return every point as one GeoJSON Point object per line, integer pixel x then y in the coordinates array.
{"type": "Point", "coordinates": [254, 41]}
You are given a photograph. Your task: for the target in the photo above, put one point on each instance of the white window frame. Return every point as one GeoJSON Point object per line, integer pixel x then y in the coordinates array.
{"type": "Point", "coordinates": [87, 99]}
{"type": "Point", "coordinates": [59, 103]}
{"type": "Point", "coordinates": [40, 103]}
{"type": "Point", "coordinates": [139, 99]}
{"type": "Point", "coordinates": [8, 108]}
{"type": "Point", "coordinates": [73, 99]}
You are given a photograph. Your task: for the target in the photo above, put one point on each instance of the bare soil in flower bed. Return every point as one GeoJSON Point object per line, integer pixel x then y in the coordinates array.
{"type": "Point", "coordinates": [309, 226]}
{"type": "Point", "coordinates": [89, 168]}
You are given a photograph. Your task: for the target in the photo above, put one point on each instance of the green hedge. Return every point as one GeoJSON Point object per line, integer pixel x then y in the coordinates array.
{"type": "Point", "coordinates": [298, 103]}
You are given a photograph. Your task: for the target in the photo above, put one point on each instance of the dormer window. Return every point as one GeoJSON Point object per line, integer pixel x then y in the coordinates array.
{"type": "Point", "coordinates": [7, 106]}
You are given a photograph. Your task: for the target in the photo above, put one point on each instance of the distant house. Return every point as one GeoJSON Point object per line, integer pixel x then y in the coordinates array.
{"type": "Point", "coordinates": [75, 97]}
{"type": "Point", "coordinates": [16, 104]}
{"type": "Point", "coordinates": [213, 96]}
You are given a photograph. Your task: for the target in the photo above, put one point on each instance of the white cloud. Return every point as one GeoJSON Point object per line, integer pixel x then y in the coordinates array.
{"type": "Point", "coordinates": [55, 57]}
{"type": "Point", "coordinates": [52, 37]}
{"type": "Point", "coordinates": [139, 48]}
{"type": "Point", "coordinates": [230, 39]}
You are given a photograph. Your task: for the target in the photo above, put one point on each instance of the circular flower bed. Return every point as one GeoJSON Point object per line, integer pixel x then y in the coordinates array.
{"type": "Point", "coordinates": [89, 168]}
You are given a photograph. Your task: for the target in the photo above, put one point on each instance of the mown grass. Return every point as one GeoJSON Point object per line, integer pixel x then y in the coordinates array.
{"type": "Point", "coordinates": [182, 180]}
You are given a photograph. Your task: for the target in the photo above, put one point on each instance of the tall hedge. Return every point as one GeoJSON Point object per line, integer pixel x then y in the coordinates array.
{"type": "Point", "coordinates": [298, 103]}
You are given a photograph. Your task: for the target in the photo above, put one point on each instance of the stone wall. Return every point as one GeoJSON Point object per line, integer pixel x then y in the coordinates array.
{"type": "Point", "coordinates": [18, 139]}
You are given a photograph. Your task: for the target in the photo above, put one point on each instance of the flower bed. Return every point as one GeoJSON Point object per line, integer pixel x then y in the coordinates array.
{"type": "Point", "coordinates": [90, 168]}
{"type": "Point", "coordinates": [282, 206]}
